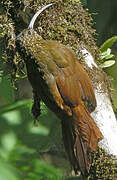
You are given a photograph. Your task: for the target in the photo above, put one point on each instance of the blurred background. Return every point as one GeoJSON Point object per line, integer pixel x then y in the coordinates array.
{"type": "Point", "coordinates": [104, 15]}
{"type": "Point", "coordinates": [22, 142]}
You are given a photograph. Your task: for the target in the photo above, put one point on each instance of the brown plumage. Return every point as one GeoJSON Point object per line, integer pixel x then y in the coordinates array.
{"type": "Point", "coordinates": [59, 80]}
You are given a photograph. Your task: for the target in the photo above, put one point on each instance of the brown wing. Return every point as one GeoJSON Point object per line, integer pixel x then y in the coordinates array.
{"type": "Point", "coordinates": [72, 81]}
{"type": "Point", "coordinates": [70, 88]}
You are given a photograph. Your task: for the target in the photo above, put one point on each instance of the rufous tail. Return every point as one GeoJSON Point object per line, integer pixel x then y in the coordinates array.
{"type": "Point", "coordinates": [81, 135]}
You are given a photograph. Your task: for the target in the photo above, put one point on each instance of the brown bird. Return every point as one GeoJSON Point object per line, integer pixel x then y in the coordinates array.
{"type": "Point", "coordinates": [59, 80]}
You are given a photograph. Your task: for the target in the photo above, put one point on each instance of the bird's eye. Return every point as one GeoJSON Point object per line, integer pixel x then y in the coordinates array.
{"type": "Point", "coordinates": [29, 32]}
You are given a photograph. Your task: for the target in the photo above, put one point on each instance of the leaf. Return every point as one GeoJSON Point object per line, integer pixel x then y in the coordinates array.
{"type": "Point", "coordinates": [17, 105]}
{"type": "Point", "coordinates": [107, 44]}
{"type": "Point", "coordinates": [7, 171]}
{"type": "Point", "coordinates": [106, 54]}
{"type": "Point", "coordinates": [12, 117]}
{"type": "Point", "coordinates": [42, 130]}
{"type": "Point", "coordinates": [8, 141]}
{"type": "Point", "coordinates": [110, 56]}
{"type": "Point", "coordinates": [108, 63]}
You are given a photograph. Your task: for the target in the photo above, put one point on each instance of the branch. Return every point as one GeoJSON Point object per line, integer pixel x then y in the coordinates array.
{"type": "Point", "coordinates": [104, 117]}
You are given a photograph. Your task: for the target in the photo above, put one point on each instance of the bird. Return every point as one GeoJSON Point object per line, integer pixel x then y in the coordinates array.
{"type": "Point", "coordinates": [60, 81]}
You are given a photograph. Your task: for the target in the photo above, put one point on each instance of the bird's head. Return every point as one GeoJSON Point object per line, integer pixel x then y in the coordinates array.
{"type": "Point", "coordinates": [29, 33]}
{"type": "Point", "coordinates": [28, 40]}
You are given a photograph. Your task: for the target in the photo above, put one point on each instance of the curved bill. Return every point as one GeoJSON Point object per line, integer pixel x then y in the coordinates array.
{"type": "Point", "coordinates": [37, 14]}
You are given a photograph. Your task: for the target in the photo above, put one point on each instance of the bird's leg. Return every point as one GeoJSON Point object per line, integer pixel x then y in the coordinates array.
{"type": "Point", "coordinates": [36, 111]}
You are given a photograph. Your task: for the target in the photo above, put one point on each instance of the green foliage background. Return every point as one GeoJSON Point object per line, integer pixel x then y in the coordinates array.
{"type": "Point", "coordinates": [20, 140]}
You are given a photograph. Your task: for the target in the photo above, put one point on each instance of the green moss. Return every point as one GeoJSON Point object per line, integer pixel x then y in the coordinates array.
{"type": "Point", "coordinates": [66, 21]}
{"type": "Point", "coordinates": [70, 24]}
{"type": "Point", "coordinates": [103, 166]}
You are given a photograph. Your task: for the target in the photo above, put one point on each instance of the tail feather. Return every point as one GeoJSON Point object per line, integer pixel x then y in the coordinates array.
{"type": "Point", "coordinates": [80, 135]}
{"type": "Point", "coordinates": [69, 140]}
{"type": "Point", "coordinates": [86, 126]}
{"type": "Point", "coordinates": [81, 155]}
{"type": "Point", "coordinates": [75, 148]}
